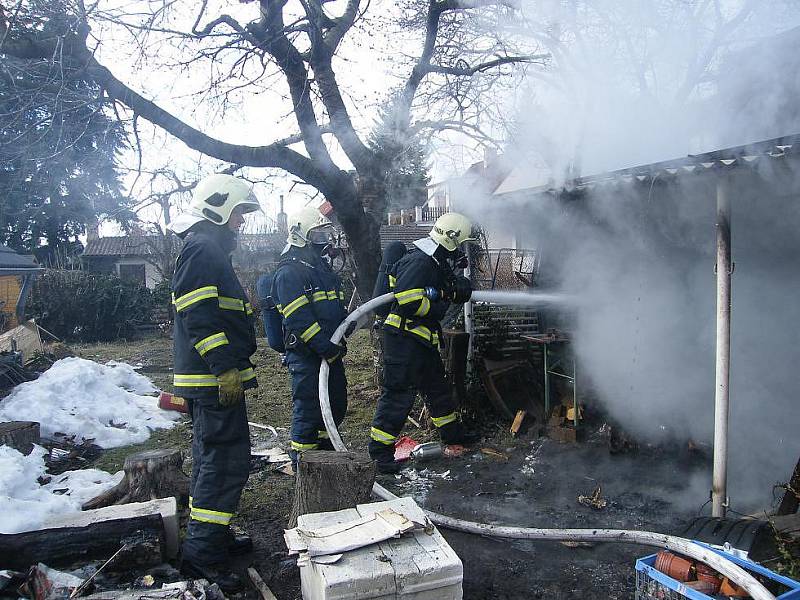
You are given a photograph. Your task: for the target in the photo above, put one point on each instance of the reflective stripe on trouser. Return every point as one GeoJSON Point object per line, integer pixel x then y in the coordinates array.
{"type": "Point", "coordinates": [220, 466]}
{"type": "Point", "coordinates": [409, 366]}
{"type": "Point", "coordinates": [307, 421]}
{"type": "Point", "coordinates": [184, 380]}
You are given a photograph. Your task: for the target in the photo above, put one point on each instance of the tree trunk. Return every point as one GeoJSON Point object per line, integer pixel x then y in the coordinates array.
{"type": "Point", "coordinates": [328, 481]}
{"type": "Point", "coordinates": [361, 213]}
{"type": "Point", "coordinates": [149, 475]}
{"type": "Point", "coordinates": [65, 546]}
{"type": "Point", "coordinates": [21, 435]}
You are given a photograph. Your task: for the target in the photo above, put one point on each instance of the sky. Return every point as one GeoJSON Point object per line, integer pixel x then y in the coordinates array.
{"type": "Point", "coordinates": [258, 115]}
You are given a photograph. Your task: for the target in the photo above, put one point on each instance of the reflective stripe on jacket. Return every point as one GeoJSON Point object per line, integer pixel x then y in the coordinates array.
{"type": "Point", "coordinates": [310, 298]}
{"type": "Point", "coordinates": [213, 330]}
{"type": "Point", "coordinates": [413, 313]}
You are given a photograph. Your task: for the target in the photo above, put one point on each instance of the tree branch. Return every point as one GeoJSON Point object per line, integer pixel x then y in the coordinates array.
{"type": "Point", "coordinates": [273, 155]}
{"type": "Point", "coordinates": [321, 56]}
{"type": "Point", "coordinates": [271, 36]}
{"type": "Point", "coordinates": [469, 71]}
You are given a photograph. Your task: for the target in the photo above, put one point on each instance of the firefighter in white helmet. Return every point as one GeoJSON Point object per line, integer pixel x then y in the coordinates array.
{"type": "Point", "coordinates": [309, 296]}
{"type": "Point", "coordinates": [425, 285]}
{"type": "Point", "coordinates": [213, 341]}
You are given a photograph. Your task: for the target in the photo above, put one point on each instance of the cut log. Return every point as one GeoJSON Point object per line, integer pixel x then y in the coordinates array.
{"type": "Point", "coordinates": [166, 507]}
{"type": "Point", "coordinates": [149, 475]}
{"type": "Point", "coordinates": [21, 435]}
{"type": "Point", "coordinates": [330, 481]}
{"type": "Point", "coordinates": [66, 546]}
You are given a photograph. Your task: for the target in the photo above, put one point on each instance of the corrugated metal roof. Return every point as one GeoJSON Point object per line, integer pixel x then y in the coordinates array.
{"type": "Point", "coordinates": [746, 156]}
{"type": "Point", "coordinates": [408, 234]}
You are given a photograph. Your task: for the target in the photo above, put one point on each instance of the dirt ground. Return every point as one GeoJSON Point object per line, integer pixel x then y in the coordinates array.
{"type": "Point", "coordinates": [532, 482]}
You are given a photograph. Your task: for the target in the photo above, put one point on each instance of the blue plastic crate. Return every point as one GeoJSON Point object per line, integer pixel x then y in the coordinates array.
{"type": "Point", "coordinates": [655, 585]}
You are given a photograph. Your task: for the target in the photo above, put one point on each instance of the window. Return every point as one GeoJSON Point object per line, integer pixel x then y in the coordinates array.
{"type": "Point", "coordinates": [134, 273]}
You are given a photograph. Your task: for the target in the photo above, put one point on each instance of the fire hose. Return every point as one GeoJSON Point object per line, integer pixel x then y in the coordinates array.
{"type": "Point", "coordinates": [647, 538]}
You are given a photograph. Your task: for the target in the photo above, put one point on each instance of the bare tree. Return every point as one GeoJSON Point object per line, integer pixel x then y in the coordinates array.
{"type": "Point", "coordinates": [298, 42]}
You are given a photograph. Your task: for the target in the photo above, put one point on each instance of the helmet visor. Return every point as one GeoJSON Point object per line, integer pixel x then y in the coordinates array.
{"type": "Point", "coordinates": [322, 235]}
{"type": "Point", "coordinates": [249, 204]}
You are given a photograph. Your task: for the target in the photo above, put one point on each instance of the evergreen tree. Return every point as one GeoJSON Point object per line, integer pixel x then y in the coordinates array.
{"type": "Point", "coordinates": [58, 148]}
{"type": "Point", "coordinates": [401, 159]}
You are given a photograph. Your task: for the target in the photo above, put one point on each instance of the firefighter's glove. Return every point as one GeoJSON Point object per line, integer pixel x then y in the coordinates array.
{"type": "Point", "coordinates": [230, 387]}
{"type": "Point", "coordinates": [337, 351]}
{"type": "Point", "coordinates": [462, 290]}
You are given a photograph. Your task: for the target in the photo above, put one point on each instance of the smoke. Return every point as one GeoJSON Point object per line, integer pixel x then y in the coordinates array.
{"type": "Point", "coordinates": [641, 84]}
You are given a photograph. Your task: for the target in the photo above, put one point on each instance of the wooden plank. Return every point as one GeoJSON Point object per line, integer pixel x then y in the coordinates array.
{"type": "Point", "coordinates": [517, 424]}
{"type": "Point", "coordinates": [266, 593]}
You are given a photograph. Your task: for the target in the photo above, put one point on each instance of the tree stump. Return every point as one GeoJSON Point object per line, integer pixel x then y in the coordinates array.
{"type": "Point", "coordinates": [21, 435]}
{"type": "Point", "coordinates": [328, 481]}
{"type": "Point", "coordinates": [149, 475]}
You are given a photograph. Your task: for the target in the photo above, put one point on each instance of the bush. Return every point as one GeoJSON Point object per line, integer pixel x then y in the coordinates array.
{"type": "Point", "coordinates": [87, 307]}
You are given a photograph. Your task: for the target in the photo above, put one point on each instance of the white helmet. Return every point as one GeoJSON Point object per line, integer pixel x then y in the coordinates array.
{"type": "Point", "coordinates": [308, 225]}
{"type": "Point", "coordinates": [451, 230]}
{"type": "Point", "coordinates": [214, 199]}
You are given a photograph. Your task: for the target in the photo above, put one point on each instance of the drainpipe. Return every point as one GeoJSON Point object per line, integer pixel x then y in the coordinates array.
{"type": "Point", "coordinates": [724, 268]}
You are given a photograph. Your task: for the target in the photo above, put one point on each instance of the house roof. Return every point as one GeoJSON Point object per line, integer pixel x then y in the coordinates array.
{"type": "Point", "coordinates": [122, 245]}
{"type": "Point", "coordinates": [752, 155]}
{"type": "Point", "coordinates": [408, 234]}
{"type": "Point", "coordinates": [11, 261]}
{"type": "Point", "coordinates": [139, 245]}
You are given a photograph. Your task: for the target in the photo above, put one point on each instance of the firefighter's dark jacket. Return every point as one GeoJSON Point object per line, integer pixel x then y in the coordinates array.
{"type": "Point", "coordinates": [213, 319]}
{"type": "Point", "coordinates": [413, 313]}
{"type": "Point", "coordinates": [309, 296]}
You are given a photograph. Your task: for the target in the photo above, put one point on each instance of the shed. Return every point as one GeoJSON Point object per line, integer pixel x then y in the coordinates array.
{"type": "Point", "coordinates": [129, 257]}
{"type": "Point", "coordinates": [17, 272]}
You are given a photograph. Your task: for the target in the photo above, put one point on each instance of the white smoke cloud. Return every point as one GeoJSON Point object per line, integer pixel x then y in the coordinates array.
{"type": "Point", "coordinates": [641, 257]}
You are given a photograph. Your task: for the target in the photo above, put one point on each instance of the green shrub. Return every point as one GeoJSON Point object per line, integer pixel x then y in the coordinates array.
{"type": "Point", "coordinates": [87, 307]}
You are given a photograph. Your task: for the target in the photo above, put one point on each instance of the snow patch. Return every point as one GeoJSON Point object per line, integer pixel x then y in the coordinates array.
{"type": "Point", "coordinates": [89, 400]}
{"type": "Point", "coordinates": [25, 504]}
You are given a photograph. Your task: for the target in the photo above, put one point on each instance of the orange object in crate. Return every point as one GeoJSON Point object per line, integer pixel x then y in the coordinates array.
{"type": "Point", "coordinates": [674, 566]}
{"type": "Point", "coordinates": [704, 587]}
{"type": "Point", "coordinates": [710, 576]}
{"type": "Point", "coordinates": [169, 401]}
{"type": "Point", "coordinates": [731, 590]}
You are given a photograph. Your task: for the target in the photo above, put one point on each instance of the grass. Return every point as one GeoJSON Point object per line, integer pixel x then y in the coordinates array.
{"type": "Point", "coordinates": [269, 404]}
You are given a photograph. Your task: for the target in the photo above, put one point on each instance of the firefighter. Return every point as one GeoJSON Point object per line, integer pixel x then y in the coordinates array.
{"type": "Point", "coordinates": [425, 286]}
{"type": "Point", "coordinates": [309, 296]}
{"type": "Point", "coordinates": [213, 341]}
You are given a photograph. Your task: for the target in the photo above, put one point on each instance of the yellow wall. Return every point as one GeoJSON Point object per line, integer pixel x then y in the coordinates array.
{"type": "Point", "coordinates": [10, 286]}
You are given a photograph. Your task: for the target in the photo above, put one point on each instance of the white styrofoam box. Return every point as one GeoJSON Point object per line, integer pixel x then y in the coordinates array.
{"type": "Point", "coordinates": [416, 566]}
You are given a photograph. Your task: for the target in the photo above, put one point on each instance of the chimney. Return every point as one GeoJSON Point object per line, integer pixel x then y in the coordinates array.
{"type": "Point", "coordinates": [92, 230]}
{"type": "Point", "coordinates": [283, 224]}
{"type": "Point", "coordinates": [489, 157]}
